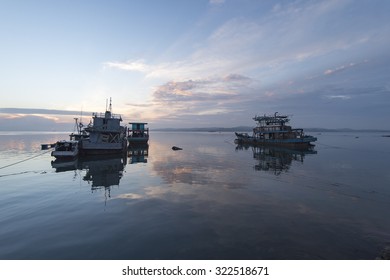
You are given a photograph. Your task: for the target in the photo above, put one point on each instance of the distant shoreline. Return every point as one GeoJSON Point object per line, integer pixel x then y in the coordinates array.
{"type": "Point", "coordinates": [203, 129]}
{"type": "Point", "coordinates": [246, 129]}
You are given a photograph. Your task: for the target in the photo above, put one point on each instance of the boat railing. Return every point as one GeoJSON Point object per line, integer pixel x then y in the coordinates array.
{"type": "Point", "coordinates": [271, 129]}
{"type": "Point", "coordinates": [106, 128]}
{"type": "Point", "coordinates": [138, 132]}
{"type": "Point", "coordinates": [103, 115]}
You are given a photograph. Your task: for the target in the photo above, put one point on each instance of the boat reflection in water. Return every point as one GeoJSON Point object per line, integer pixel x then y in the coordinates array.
{"type": "Point", "coordinates": [138, 153]}
{"type": "Point", "coordinates": [100, 171]}
{"type": "Point", "coordinates": [276, 159]}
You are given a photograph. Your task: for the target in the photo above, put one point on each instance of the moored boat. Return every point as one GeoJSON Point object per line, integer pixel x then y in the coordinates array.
{"type": "Point", "coordinates": [65, 150]}
{"type": "Point", "coordinates": [106, 134]}
{"type": "Point", "coordinates": [138, 134]}
{"type": "Point", "coordinates": [273, 130]}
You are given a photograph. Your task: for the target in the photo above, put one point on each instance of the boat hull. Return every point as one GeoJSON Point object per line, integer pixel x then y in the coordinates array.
{"type": "Point", "coordinates": [64, 155]}
{"type": "Point", "coordinates": [136, 141]}
{"type": "Point", "coordinates": [88, 148]}
{"type": "Point", "coordinates": [291, 143]}
{"type": "Point", "coordinates": [65, 150]}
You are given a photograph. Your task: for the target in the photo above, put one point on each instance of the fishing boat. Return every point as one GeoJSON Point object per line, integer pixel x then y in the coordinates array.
{"type": "Point", "coordinates": [273, 130]}
{"type": "Point", "coordinates": [65, 150]}
{"type": "Point", "coordinates": [138, 134]}
{"type": "Point", "coordinates": [106, 135]}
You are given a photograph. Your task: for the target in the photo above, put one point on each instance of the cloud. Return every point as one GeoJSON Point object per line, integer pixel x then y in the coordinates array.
{"type": "Point", "coordinates": [32, 123]}
{"type": "Point", "coordinates": [236, 78]}
{"type": "Point", "coordinates": [343, 68]}
{"type": "Point", "coordinates": [202, 97]}
{"type": "Point", "coordinates": [138, 66]}
{"type": "Point", "coordinates": [34, 119]}
{"type": "Point", "coordinates": [167, 70]}
{"type": "Point", "coordinates": [179, 100]}
{"type": "Point", "coordinates": [31, 111]}
{"type": "Point", "coordinates": [216, 2]}
{"type": "Point", "coordinates": [270, 45]}
{"type": "Point", "coordinates": [341, 97]}
{"type": "Point", "coordinates": [216, 89]}
{"type": "Point", "coordinates": [293, 49]}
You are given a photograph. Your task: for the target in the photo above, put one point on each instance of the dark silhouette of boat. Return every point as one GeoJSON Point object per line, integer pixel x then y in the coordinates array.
{"type": "Point", "coordinates": [273, 130]}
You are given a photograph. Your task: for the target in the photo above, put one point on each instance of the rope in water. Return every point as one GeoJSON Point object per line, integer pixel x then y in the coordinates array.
{"type": "Point", "coordinates": [25, 159]}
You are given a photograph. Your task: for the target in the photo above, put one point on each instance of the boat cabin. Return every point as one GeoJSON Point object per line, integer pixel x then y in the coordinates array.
{"type": "Point", "coordinates": [138, 130]}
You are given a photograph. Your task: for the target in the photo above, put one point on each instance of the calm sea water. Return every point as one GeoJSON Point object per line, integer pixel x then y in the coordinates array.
{"type": "Point", "coordinates": [212, 200]}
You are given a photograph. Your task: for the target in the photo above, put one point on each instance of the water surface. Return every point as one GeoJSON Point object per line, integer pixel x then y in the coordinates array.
{"type": "Point", "coordinates": [211, 200]}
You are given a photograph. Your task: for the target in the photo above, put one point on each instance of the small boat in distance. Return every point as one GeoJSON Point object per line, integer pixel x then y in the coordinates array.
{"type": "Point", "coordinates": [66, 150]}
{"type": "Point", "coordinates": [272, 130]}
{"type": "Point", "coordinates": [138, 134]}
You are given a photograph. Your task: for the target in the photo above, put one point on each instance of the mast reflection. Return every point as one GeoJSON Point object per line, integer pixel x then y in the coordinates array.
{"type": "Point", "coordinates": [276, 159]}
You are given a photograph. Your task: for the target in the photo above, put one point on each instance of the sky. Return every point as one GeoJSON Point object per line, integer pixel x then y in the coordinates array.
{"type": "Point", "coordinates": [195, 63]}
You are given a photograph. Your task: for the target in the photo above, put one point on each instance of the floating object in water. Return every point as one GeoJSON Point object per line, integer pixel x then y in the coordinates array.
{"type": "Point", "coordinates": [176, 148]}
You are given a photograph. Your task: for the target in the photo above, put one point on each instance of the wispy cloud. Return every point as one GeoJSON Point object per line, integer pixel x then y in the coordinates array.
{"type": "Point", "coordinates": [340, 97]}
{"type": "Point", "coordinates": [31, 111]}
{"type": "Point", "coordinates": [284, 38]}
{"type": "Point", "coordinates": [33, 123]}
{"type": "Point", "coordinates": [278, 50]}
{"type": "Point", "coordinates": [343, 68]}
{"type": "Point", "coordinates": [198, 90]}
{"type": "Point", "coordinates": [138, 65]}
{"type": "Point", "coordinates": [216, 2]}
{"type": "Point", "coordinates": [198, 95]}
{"type": "Point", "coordinates": [201, 97]}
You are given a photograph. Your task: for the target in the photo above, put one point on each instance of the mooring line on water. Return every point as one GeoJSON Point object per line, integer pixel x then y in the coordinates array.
{"type": "Point", "coordinates": [350, 149]}
{"type": "Point", "coordinates": [23, 172]}
{"type": "Point", "coordinates": [24, 160]}
{"type": "Point", "coordinates": [230, 140]}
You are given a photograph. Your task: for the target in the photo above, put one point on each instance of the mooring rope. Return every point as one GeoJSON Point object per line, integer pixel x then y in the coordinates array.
{"type": "Point", "coordinates": [25, 159]}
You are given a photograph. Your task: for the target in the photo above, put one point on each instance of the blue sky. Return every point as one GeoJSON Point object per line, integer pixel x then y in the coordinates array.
{"type": "Point", "coordinates": [195, 63]}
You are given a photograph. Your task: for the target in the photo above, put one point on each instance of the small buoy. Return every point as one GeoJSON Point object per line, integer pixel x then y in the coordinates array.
{"type": "Point", "coordinates": [176, 148]}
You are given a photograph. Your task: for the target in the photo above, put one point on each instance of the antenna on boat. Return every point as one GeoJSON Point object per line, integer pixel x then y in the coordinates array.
{"type": "Point", "coordinates": [81, 114]}
{"type": "Point", "coordinates": [76, 126]}
{"type": "Point", "coordinates": [110, 105]}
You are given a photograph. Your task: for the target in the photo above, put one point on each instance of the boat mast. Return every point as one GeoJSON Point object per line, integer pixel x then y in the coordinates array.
{"type": "Point", "coordinates": [76, 126]}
